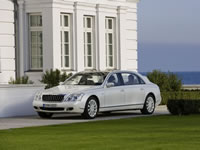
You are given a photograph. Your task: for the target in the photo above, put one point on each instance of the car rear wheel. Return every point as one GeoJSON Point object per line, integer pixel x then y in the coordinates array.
{"type": "Point", "coordinates": [91, 108]}
{"type": "Point", "coordinates": [149, 105]}
{"type": "Point", "coordinates": [45, 115]}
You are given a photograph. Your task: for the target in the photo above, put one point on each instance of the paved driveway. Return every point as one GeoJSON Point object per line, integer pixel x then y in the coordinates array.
{"type": "Point", "coordinates": [20, 122]}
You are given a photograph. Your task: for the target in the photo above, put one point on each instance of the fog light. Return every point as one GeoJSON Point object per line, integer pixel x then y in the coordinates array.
{"type": "Point", "coordinates": [70, 109]}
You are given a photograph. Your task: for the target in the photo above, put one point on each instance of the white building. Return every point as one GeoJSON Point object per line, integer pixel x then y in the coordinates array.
{"type": "Point", "coordinates": [7, 41]}
{"type": "Point", "coordinates": [70, 35]}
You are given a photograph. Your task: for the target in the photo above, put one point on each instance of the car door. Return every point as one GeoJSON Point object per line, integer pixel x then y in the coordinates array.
{"type": "Point", "coordinates": [134, 89]}
{"type": "Point", "coordinates": [114, 96]}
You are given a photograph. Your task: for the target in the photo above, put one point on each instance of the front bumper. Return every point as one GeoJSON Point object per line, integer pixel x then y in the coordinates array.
{"type": "Point", "coordinates": [61, 107]}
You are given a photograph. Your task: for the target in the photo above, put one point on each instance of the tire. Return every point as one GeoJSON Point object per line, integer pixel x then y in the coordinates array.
{"type": "Point", "coordinates": [45, 115]}
{"type": "Point", "coordinates": [149, 105]}
{"type": "Point", "coordinates": [91, 108]}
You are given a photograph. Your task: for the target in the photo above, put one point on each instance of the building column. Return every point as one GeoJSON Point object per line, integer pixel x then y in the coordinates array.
{"type": "Point", "coordinates": [56, 38]}
{"type": "Point", "coordinates": [121, 51]}
{"type": "Point", "coordinates": [101, 48]}
{"type": "Point", "coordinates": [21, 38]}
{"type": "Point", "coordinates": [47, 23]}
{"type": "Point", "coordinates": [74, 50]}
{"type": "Point", "coordinates": [79, 37]}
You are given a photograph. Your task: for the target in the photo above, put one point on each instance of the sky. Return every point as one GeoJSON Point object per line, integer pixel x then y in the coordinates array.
{"type": "Point", "coordinates": [169, 35]}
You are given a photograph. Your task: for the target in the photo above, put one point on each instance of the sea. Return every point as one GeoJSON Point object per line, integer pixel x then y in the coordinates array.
{"type": "Point", "coordinates": [188, 78]}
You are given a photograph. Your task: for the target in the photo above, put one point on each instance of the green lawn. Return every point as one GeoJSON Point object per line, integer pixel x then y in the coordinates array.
{"type": "Point", "coordinates": [144, 133]}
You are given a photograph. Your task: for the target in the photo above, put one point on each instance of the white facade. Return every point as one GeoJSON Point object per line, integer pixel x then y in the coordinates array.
{"type": "Point", "coordinates": [73, 35]}
{"type": "Point", "coordinates": [7, 41]}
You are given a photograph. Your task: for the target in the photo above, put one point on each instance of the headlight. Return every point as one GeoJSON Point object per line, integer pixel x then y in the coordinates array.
{"type": "Point", "coordinates": [38, 96]}
{"type": "Point", "coordinates": [73, 97]}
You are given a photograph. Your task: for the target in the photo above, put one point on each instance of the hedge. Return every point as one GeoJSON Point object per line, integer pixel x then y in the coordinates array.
{"type": "Point", "coordinates": [183, 106]}
{"type": "Point", "coordinates": [21, 80]}
{"type": "Point", "coordinates": [187, 95]}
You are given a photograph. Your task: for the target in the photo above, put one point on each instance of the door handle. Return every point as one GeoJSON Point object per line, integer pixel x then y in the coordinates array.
{"type": "Point", "coordinates": [142, 89]}
{"type": "Point", "coordinates": [122, 90]}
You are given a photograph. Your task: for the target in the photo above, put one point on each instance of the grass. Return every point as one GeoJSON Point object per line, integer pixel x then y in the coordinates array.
{"type": "Point", "coordinates": [144, 133]}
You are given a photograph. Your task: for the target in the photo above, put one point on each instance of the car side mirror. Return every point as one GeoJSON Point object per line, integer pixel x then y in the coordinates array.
{"type": "Point", "coordinates": [110, 84]}
{"type": "Point", "coordinates": [61, 83]}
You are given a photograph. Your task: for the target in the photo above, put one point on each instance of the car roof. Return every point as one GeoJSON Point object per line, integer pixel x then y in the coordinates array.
{"type": "Point", "coordinates": [119, 71]}
{"type": "Point", "coordinates": [85, 72]}
{"type": "Point", "coordinates": [107, 72]}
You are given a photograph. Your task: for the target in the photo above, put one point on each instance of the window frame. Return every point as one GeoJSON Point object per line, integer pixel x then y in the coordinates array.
{"type": "Point", "coordinates": [140, 80]}
{"type": "Point", "coordinates": [64, 29]}
{"type": "Point", "coordinates": [35, 29]}
{"type": "Point", "coordinates": [113, 44]}
{"type": "Point", "coordinates": [120, 80]}
{"type": "Point", "coordinates": [90, 30]}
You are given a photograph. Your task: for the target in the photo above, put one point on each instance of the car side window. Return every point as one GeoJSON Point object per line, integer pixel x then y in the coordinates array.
{"type": "Point", "coordinates": [131, 79]}
{"type": "Point", "coordinates": [114, 79]}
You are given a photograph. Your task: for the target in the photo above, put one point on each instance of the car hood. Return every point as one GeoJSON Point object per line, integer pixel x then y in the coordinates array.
{"type": "Point", "coordinates": [68, 89]}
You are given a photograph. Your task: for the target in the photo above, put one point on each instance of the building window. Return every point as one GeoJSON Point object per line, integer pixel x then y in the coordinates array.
{"type": "Point", "coordinates": [88, 42]}
{"type": "Point", "coordinates": [36, 48]}
{"type": "Point", "coordinates": [65, 28]}
{"type": "Point", "coordinates": [110, 42]}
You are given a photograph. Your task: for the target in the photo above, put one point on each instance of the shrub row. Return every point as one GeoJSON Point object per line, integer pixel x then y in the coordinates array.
{"type": "Point", "coordinates": [183, 106]}
{"type": "Point", "coordinates": [20, 80]}
{"type": "Point", "coordinates": [187, 95]}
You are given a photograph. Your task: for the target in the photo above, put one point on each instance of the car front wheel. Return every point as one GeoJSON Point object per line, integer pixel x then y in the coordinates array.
{"type": "Point", "coordinates": [45, 115]}
{"type": "Point", "coordinates": [149, 105]}
{"type": "Point", "coordinates": [91, 108]}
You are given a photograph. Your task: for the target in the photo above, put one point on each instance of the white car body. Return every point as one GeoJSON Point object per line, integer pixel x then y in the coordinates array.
{"type": "Point", "coordinates": [109, 97]}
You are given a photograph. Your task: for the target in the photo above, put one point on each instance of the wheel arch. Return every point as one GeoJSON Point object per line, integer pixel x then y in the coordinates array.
{"type": "Point", "coordinates": [96, 97]}
{"type": "Point", "coordinates": [85, 114]}
{"type": "Point", "coordinates": [153, 95]}
{"type": "Point", "coordinates": [145, 107]}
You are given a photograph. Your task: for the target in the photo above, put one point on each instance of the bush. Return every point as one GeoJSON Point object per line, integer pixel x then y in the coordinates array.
{"type": "Point", "coordinates": [182, 103]}
{"type": "Point", "coordinates": [179, 95]}
{"type": "Point", "coordinates": [183, 106]}
{"type": "Point", "coordinates": [53, 78]}
{"type": "Point", "coordinates": [175, 83]}
{"type": "Point", "coordinates": [21, 80]}
{"type": "Point", "coordinates": [65, 76]}
{"type": "Point", "coordinates": [166, 81]}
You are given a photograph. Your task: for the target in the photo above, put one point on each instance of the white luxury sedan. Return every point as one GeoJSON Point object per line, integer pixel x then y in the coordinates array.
{"type": "Point", "coordinates": [89, 93]}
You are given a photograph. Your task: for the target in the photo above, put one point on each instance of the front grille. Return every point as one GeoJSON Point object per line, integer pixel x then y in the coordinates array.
{"type": "Point", "coordinates": [52, 98]}
{"type": "Point", "coordinates": [52, 109]}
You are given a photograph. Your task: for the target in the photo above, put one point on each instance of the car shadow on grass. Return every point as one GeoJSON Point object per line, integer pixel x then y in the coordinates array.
{"type": "Point", "coordinates": [100, 116]}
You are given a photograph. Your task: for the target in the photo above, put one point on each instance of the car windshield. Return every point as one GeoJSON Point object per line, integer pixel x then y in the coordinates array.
{"type": "Point", "coordinates": [90, 78]}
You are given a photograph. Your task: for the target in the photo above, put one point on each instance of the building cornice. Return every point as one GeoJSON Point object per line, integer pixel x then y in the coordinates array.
{"type": "Point", "coordinates": [85, 4]}
{"type": "Point", "coordinates": [133, 1]}
{"type": "Point", "coordinates": [106, 6]}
